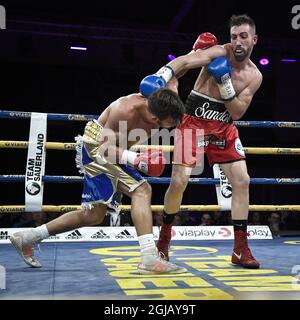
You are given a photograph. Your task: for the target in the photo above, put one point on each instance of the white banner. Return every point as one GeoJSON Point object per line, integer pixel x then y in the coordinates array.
{"type": "Point", "coordinates": [218, 233]}
{"type": "Point", "coordinates": [224, 189]}
{"type": "Point", "coordinates": [129, 233]}
{"type": "Point", "coordinates": [35, 166]}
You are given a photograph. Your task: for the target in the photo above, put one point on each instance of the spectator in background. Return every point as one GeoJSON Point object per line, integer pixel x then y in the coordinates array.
{"type": "Point", "coordinates": [29, 219]}
{"type": "Point", "coordinates": [125, 219]}
{"type": "Point", "coordinates": [220, 218]}
{"type": "Point", "coordinates": [158, 218]}
{"type": "Point", "coordinates": [229, 218]}
{"type": "Point", "coordinates": [38, 218]}
{"type": "Point", "coordinates": [194, 218]}
{"type": "Point", "coordinates": [182, 219]}
{"type": "Point", "coordinates": [274, 224]}
{"type": "Point", "coordinates": [206, 220]}
{"type": "Point", "coordinates": [54, 215]}
{"type": "Point", "coordinates": [255, 218]}
{"type": "Point", "coordinates": [290, 220]}
{"type": "Point", "coordinates": [6, 220]}
{"type": "Point", "coordinates": [24, 221]}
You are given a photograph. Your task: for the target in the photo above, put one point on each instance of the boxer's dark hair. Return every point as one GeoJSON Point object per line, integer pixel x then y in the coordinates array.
{"type": "Point", "coordinates": [238, 20]}
{"type": "Point", "coordinates": [165, 103]}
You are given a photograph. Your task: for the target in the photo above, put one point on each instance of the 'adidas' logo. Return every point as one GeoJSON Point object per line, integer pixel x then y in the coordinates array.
{"type": "Point", "coordinates": [54, 237]}
{"type": "Point", "coordinates": [100, 235]}
{"type": "Point", "coordinates": [74, 235]}
{"type": "Point", "coordinates": [124, 234]}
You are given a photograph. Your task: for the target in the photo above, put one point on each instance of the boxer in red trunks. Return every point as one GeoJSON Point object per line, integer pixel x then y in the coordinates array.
{"type": "Point", "coordinates": [222, 93]}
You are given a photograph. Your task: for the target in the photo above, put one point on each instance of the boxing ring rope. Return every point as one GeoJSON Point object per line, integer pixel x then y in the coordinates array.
{"type": "Point", "coordinates": [82, 117]}
{"type": "Point", "coordinates": [50, 116]}
{"type": "Point", "coordinates": [71, 146]}
{"type": "Point", "coordinates": [65, 146]}
{"type": "Point", "coordinates": [65, 208]}
{"type": "Point", "coordinates": [152, 180]}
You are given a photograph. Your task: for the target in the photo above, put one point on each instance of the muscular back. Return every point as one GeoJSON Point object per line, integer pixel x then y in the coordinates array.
{"type": "Point", "coordinates": [132, 111]}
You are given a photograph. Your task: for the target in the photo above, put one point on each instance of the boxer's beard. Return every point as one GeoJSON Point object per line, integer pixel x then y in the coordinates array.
{"type": "Point", "coordinates": [242, 54]}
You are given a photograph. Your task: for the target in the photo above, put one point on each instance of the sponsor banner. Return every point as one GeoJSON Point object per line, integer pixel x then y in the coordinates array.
{"type": "Point", "coordinates": [83, 234]}
{"type": "Point", "coordinates": [129, 233]}
{"type": "Point", "coordinates": [4, 234]}
{"type": "Point", "coordinates": [99, 234]}
{"type": "Point", "coordinates": [218, 233]}
{"type": "Point", "coordinates": [35, 165]}
{"type": "Point", "coordinates": [224, 189]}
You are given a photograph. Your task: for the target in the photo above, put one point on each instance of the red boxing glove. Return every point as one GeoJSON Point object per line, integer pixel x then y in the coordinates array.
{"type": "Point", "coordinates": [151, 162]}
{"type": "Point", "coordinates": [204, 41]}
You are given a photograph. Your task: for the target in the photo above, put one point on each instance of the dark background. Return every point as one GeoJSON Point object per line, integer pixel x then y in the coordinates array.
{"type": "Point", "coordinates": [126, 40]}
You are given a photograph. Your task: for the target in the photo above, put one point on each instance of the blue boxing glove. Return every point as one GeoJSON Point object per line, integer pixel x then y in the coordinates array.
{"type": "Point", "coordinates": [151, 84]}
{"type": "Point", "coordinates": [156, 81]}
{"type": "Point", "coordinates": [220, 69]}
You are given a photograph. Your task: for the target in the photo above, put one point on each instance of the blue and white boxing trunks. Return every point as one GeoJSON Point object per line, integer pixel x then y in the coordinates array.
{"type": "Point", "coordinates": [100, 176]}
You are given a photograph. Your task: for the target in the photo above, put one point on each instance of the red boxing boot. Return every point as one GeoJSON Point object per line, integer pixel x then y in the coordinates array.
{"type": "Point", "coordinates": [163, 242]}
{"type": "Point", "coordinates": [241, 254]}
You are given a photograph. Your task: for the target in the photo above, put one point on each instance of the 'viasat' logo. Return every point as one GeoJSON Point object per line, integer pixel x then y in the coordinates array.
{"type": "Point", "coordinates": [33, 188]}
{"type": "Point", "coordinates": [226, 191]}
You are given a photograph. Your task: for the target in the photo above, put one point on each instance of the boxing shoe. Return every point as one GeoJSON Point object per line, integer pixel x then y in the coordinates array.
{"type": "Point", "coordinates": [152, 262]}
{"type": "Point", "coordinates": [163, 243]}
{"type": "Point", "coordinates": [24, 242]}
{"type": "Point", "coordinates": [241, 254]}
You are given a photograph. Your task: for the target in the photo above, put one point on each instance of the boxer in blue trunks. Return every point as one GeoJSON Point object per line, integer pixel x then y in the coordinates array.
{"type": "Point", "coordinates": [109, 167]}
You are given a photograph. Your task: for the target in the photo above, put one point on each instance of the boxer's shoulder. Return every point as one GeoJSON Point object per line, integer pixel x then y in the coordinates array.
{"type": "Point", "coordinates": [132, 101]}
{"type": "Point", "coordinates": [254, 70]}
{"type": "Point", "coordinates": [228, 48]}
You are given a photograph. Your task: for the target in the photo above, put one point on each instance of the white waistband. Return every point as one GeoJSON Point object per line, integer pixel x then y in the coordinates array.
{"type": "Point", "coordinates": [206, 97]}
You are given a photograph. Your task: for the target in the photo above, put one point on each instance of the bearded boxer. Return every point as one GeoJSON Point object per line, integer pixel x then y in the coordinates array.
{"type": "Point", "coordinates": [109, 168]}
{"type": "Point", "coordinates": [222, 93]}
